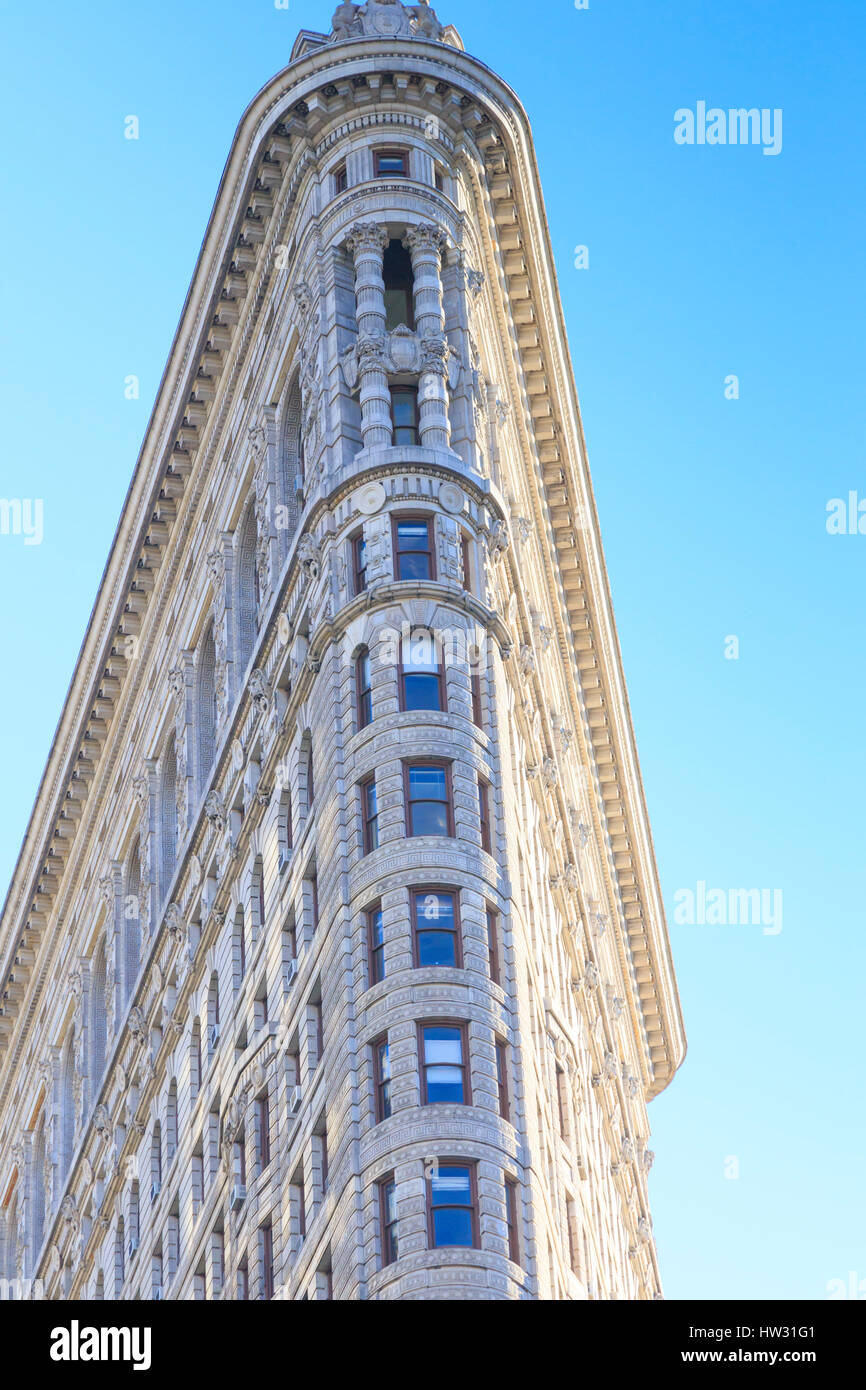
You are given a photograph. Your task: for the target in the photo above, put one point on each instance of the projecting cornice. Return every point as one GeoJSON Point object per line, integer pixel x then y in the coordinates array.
{"type": "Point", "coordinates": [273, 152]}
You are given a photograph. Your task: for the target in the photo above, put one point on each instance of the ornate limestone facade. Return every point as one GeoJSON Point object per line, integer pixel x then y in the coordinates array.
{"type": "Point", "coordinates": [334, 964]}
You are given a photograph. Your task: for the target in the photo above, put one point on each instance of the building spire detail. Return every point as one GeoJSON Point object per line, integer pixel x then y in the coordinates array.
{"type": "Point", "coordinates": [387, 19]}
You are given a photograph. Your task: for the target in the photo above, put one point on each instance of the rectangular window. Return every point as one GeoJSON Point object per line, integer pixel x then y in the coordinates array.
{"type": "Point", "coordinates": [452, 1206]}
{"type": "Point", "coordinates": [477, 711]}
{"type": "Point", "coordinates": [484, 815]}
{"type": "Point", "coordinates": [359, 563]}
{"type": "Point", "coordinates": [413, 548]}
{"type": "Point", "coordinates": [341, 180]}
{"type": "Point", "coordinates": [388, 1220]}
{"type": "Point", "coordinates": [429, 806]}
{"type": "Point", "coordinates": [511, 1220]}
{"type": "Point", "coordinates": [263, 1132]}
{"type": "Point", "coordinates": [465, 557]}
{"type": "Point", "coordinates": [422, 678]}
{"type": "Point", "coordinates": [404, 414]}
{"type": "Point", "coordinates": [502, 1078]}
{"type": "Point", "coordinates": [267, 1249]}
{"type": "Point", "coordinates": [382, 1063]}
{"type": "Point", "coordinates": [364, 689]}
{"type": "Point", "coordinates": [562, 1101]}
{"type": "Point", "coordinates": [436, 922]}
{"type": "Point", "coordinates": [439, 179]}
{"type": "Point", "coordinates": [493, 944]}
{"type": "Point", "coordinates": [243, 1282]}
{"type": "Point", "coordinates": [399, 287]}
{"type": "Point", "coordinates": [370, 811]}
{"type": "Point", "coordinates": [444, 1075]}
{"type": "Point", "coordinates": [391, 164]}
{"type": "Point", "coordinates": [376, 944]}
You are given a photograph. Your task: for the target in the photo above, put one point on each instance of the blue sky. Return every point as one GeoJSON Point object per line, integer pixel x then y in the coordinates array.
{"type": "Point", "coordinates": [704, 262]}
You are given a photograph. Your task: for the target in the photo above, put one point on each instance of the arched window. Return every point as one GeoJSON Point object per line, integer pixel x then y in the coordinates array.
{"type": "Point", "coordinates": [247, 590]}
{"type": "Point", "coordinates": [284, 827]}
{"type": "Point", "coordinates": [239, 947]}
{"type": "Point", "coordinates": [9, 1268]}
{"type": "Point", "coordinates": [213, 1015]}
{"type": "Point", "coordinates": [171, 1123]}
{"type": "Point", "coordinates": [97, 1020]}
{"type": "Point", "coordinates": [168, 820]}
{"type": "Point", "coordinates": [290, 472]}
{"type": "Point", "coordinates": [132, 924]}
{"type": "Point", "coordinates": [206, 713]}
{"type": "Point", "coordinates": [195, 1059]}
{"type": "Point", "coordinates": [67, 1108]}
{"type": "Point", "coordinates": [119, 1257]}
{"type": "Point", "coordinates": [156, 1162]}
{"type": "Point", "coordinates": [39, 1155]}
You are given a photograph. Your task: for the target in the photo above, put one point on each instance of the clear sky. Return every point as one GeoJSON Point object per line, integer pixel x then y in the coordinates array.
{"type": "Point", "coordinates": [705, 262]}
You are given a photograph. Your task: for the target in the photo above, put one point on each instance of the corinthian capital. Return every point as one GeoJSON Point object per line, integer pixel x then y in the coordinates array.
{"type": "Point", "coordinates": [425, 237]}
{"type": "Point", "coordinates": [366, 237]}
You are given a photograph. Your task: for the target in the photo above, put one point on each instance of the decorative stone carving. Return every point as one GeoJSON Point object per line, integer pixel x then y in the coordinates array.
{"type": "Point", "coordinates": [498, 541]}
{"type": "Point", "coordinates": [101, 1119]}
{"type": "Point", "coordinates": [214, 809]}
{"type": "Point", "coordinates": [549, 773]}
{"type": "Point", "coordinates": [526, 661]}
{"type": "Point", "coordinates": [385, 19]}
{"type": "Point", "coordinates": [260, 691]}
{"type": "Point", "coordinates": [309, 557]}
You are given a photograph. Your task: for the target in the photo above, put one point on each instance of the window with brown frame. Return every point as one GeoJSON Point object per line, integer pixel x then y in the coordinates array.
{"type": "Point", "coordinates": [429, 799]}
{"type": "Point", "coordinates": [266, 1235]}
{"type": "Point", "coordinates": [364, 688]}
{"type": "Point", "coordinates": [404, 414]}
{"type": "Point", "coordinates": [263, 1132]}
{"type": "Point", "coordinates": [376, 943]}
{"type": "Point", "coordinates": [341, 180]}
{"type": "Point", "coordinates": [399, 279]}
{"type": "Point", "coordinates": [502, 1078]}
{"type": "Point", "coordinates": [484, 815]}
{"type": "Point", "coordinates": [382, 1073]}
{"type": "Point", "coordinates": [511, 1220]}
{"type": "Point", "coordinates": [452, 1205]}
{"type": "Point", "coordinates": [436, 928]}
{"type": "Point", "coordinates": [370, 814]}
{"type": "Point", "coordinates": [442, 1049]}
{"type": "Point", "coordinates": [439, 180]}
{"type": "Point", "coordinates": [422, 674]}
{"type": "Point", "coordinates": [388, 1219]}
{"type": "Point", "coordinates": [414, 555]}
{"type": "Point", "coordinates": [359, 563]}
{"type": "Point", "coordinates": [391, 164]}
{"type": "Point", "coordinates": [493, 944]}
{"type": "Point", "coordinates": [477, 712]}
{"type": "Point", "coordinates": [465, 554]}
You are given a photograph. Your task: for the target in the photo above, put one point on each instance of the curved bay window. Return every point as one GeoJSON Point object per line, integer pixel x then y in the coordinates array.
{"type": "Point", "coordinates": [404, 414]}
{"type": "Point", "coordinates": [413, 548]}
{"type": "Point", "coordinates": [444, 1074]}
{"type": "Point", "coordinates": [436, 925]}
{"type": "Point", "coordinates": [391, 164]}
{"type": "Point", "coordinates": [422, 680]}
{"type": "Point", "coordinates": [429, 805]}
{"type": "Point", "coordinates": [452, 1206]}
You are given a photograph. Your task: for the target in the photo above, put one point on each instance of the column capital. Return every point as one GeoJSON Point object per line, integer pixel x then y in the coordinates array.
{"type": "Point", "coordinates": [369, 237]}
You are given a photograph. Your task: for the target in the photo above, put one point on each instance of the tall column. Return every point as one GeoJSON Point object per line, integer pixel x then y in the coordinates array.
{"type": "Point", "coordinates": [425, 244]}
{"type": "Point", "coordinates": [145, 789]}
{"type": "Point", "coordinates": [366, 244]}
{"type": "Point", "coordinates": [182, 685]}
